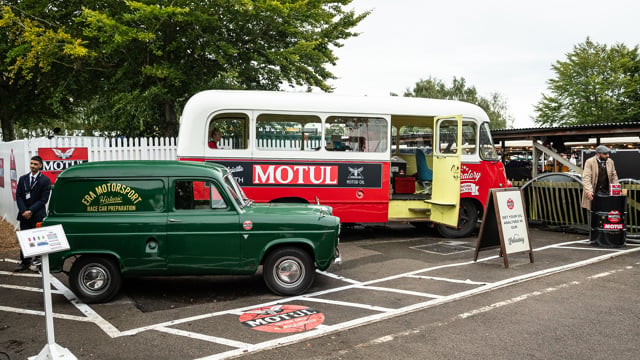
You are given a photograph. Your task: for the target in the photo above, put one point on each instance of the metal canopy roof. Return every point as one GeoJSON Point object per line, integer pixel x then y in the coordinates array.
{"type": "Point", "coordinates": [568, 133]}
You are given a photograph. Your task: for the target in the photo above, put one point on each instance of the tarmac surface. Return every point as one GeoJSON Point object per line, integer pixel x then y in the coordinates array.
{"type": "Point", "coordinates": [392, 278]}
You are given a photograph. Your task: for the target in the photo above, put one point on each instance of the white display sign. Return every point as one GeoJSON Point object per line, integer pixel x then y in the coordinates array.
{"type": "Point", "coordinates": [43, 240]}
{"type": "Point", "coordinates": [504, 225]}
{"type": "Point", "coordinates": [513, 221]}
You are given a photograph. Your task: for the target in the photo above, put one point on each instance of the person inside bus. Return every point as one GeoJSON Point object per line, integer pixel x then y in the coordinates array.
{"type": "Point", "coordinates": [599, 172]}
{"type": "Point", "coordinates": [214, 138]}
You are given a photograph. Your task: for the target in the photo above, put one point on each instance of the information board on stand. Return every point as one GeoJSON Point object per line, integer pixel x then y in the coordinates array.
{"type": "Point", "coordinates": [41, 242]}
{"type": "Point", "coordinates": [504, 225]}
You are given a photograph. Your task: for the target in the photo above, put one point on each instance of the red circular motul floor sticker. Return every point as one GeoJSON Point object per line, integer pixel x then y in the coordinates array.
{"type": "Point", "coordinates": [282, 318]}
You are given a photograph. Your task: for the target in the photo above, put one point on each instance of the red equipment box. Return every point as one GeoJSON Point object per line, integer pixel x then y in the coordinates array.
{"type": "Point", "coordinates": [405, 185]}
{"type": "Point", "coordinates": [615, 190]}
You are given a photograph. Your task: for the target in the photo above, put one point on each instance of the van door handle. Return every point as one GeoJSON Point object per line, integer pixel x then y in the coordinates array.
{"type": "Point", "coordinates": [174, 220]}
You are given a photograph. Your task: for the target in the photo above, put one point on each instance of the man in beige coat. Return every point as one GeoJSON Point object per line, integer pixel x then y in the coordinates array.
{"type": "Point", "coordinates": [594, 180]}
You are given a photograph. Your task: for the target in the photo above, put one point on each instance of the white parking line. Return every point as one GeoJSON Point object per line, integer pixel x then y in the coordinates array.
{"type": "Point", "coordinates": [85, 309]}
{"type": "Point", "coordinates": [338, 277]}
{"type": "Point", "coordinates": [26, 288]}
{"type": "Point", "coordinates": [17, 274]}
{"type": "Point", "coordinates": [349, 304]}
{"type": "Point", "coordinates": [467, 281]}
{"type": "Point", "coordinates": [212, 339]}
{"type": "Point", "coordinates": [590, 248]}
{"type": "Point", "coordinates": [41, 313]}
{"type": "Point", "coordinates": [400, 291]}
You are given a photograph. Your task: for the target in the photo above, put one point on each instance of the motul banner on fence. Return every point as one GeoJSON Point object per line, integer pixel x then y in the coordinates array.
{"type": "Point", "coordinates": [55, 160]}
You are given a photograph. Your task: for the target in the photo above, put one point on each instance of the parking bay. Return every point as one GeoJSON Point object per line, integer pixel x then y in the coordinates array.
{"type": "Point", "coordinates": [388, 271]}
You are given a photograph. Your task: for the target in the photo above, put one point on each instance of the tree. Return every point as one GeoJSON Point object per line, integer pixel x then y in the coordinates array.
{"type": "Point", "coordinates": [595, 84]}
{"type": "Point", "coordinates": [495, 106]}
{"type": "Point", "coordinates": [34, 73]}
{"type": "Point", "coordinates": [145, 58]}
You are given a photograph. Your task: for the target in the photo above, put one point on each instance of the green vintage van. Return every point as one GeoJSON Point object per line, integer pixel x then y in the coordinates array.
{"type": "Point", "coordinates": [126, 218]}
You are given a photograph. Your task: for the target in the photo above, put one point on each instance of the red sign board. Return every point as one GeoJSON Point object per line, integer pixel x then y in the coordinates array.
{"type": "Point", "coordinates": [55, 160]}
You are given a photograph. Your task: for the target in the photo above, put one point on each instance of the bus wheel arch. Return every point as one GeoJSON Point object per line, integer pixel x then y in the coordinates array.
{"type": "Point", "coordinates": [470, 212]}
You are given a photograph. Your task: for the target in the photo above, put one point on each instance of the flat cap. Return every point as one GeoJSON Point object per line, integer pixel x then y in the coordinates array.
{"type": "Point", "coordinates": [602, 149]}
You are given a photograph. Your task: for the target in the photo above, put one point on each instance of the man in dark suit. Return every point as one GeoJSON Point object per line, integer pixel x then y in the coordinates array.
{"type": "Point", "coordinates": [32, 195]}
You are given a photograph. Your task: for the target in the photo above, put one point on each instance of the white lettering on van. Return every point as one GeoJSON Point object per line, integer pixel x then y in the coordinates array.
{"type": "Point", "coordinates": [106, 193]}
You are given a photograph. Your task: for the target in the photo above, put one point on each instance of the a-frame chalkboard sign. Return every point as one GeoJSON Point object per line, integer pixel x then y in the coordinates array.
{"type": "Point", "coordinates": [504, 225]}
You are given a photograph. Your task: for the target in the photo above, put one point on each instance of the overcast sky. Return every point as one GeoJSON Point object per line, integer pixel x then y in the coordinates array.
{"type": "Point", "coordinates": [496, 45]}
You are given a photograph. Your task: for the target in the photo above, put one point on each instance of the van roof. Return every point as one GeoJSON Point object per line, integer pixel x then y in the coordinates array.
{"type": "Point", "coordinates": [142, 168]}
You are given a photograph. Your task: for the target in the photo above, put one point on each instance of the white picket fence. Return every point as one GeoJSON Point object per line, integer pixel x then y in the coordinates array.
{"type": "Point", "coordinates": [104, 149]}
{"type": "Point", "coordinates": [99, 149]}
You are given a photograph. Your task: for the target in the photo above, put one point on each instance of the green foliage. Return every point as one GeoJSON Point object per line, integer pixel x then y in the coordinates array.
{"type": "Point", "coordinates": [495, 106]}
{"type": "Point", "coordinates": [129, 66]}
{"type": "Point", "coordinates": [595, 84]}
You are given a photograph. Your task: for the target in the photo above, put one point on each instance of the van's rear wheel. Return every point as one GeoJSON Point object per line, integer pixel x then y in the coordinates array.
{"type": "Point", "coordinates": [467, 221]}
{"type": "Point", "coordinates": [94, 279]}
{"type": "Point", "coordinates": [288, 271]}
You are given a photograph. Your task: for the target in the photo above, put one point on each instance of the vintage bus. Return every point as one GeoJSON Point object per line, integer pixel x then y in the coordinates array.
{"type": "Point", "coordinates": [415, 160]}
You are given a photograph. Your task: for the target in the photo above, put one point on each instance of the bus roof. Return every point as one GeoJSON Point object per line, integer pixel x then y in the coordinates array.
{"type": "Point", "coordinates": [204, 103]}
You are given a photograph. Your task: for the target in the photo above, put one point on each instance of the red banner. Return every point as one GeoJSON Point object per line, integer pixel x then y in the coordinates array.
{"type": "Point", "coordinates": [55, 160]}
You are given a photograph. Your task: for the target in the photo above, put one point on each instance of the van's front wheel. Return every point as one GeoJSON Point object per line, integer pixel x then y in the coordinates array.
{"type": "Point", "coordinates": [288, 271]}
{"type": "Point", "coordinates": [94, 279]}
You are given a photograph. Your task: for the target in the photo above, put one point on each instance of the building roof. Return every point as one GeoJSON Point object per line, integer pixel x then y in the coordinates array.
{"type": "Point", "coordinates": [568, 133]}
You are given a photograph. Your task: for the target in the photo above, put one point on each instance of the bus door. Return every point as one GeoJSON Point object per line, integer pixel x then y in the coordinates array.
{"type": "Point", "coordinates": [447, 150]}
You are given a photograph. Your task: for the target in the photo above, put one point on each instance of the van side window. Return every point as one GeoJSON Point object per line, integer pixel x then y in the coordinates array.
{"type": "Point", "coordinates": [228, 131]}
{"type": "Point", "coordinates": [284, 132]}
{"type": "Point", "coordinates": [189, 194]}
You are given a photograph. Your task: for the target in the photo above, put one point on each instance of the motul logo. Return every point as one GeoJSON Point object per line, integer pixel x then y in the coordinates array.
{"type": "Point", "coordinates": [295, 174]}
{"type": "Point", "coordinates": [58, 165]}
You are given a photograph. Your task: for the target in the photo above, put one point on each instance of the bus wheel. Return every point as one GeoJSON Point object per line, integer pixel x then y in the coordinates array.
{"type": "Point", "coordinates": [467, 220]}
{"type": "Point", "coordinates": [288, 271]}
{"type": "Point", "coordinates": [94, 279]}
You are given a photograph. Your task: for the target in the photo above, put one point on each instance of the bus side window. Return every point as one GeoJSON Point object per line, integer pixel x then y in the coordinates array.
{"type": "Point", "coordinates": [287, 132]}
{"type": "Point", "coordinates": [233, 129]}
{"type": "Point", "coordinates": [358, 134]}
